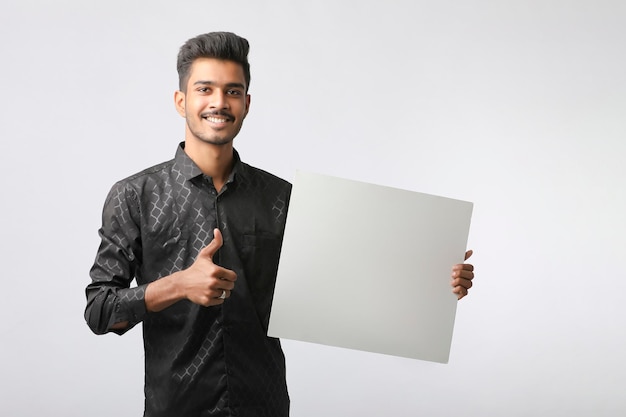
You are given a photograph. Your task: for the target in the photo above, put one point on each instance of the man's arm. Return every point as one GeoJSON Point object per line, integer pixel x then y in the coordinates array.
{"type": "Point", "coordinates": [203, 283]}
{"type": "Point", "coordinates": [111, 303]}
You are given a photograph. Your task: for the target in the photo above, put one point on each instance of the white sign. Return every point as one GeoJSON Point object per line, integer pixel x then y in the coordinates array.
{"type": "Point", "coordinates": [368, 267]}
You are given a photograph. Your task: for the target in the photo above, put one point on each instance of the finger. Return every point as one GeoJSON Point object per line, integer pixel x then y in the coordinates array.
{"type": "Point", "coordinates": [223, 284]}
{"type": "Point", "coordinates": [227, 275]}
{"type": "Point", "coordinates": [217, 242]}
{"type": "Point", "coordinates": [462, 282]}
{"type": "Point", "coordinates": [463, 273]}
{"type": "Point", "coordinates": [462, 267]}
{"type": "Point", "coordinates": [460, 292]}
{"type": "Point", "coordinates": [468, 254]}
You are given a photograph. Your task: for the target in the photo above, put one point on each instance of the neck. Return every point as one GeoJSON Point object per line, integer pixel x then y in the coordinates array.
{"type": "Point", "coordinates": [215, 161]}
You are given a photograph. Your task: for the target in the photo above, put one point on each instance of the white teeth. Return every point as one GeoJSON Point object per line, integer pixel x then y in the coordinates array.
{"type": "Point", "coordinates": [216, 119]}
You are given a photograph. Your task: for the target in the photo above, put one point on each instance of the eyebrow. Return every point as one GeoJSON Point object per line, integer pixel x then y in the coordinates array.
{"type": "Point", "coordinates": [228, 85]}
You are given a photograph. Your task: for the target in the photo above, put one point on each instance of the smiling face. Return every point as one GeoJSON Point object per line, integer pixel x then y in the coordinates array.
{"type": "Point", "coordinates": [215, 102]}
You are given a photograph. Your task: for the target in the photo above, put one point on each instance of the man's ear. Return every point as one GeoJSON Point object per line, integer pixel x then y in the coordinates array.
{"type": "Point", "coordinates": [247, 105]}
{"type": "Point", "coordinates": [179, 102]}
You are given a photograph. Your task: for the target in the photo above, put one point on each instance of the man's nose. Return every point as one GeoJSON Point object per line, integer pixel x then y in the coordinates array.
{"type": "Point", "coordinates": [218, 100]}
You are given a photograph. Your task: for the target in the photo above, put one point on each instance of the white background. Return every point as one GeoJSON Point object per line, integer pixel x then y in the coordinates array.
{"type": "Point", "coordinates": [518, 106]}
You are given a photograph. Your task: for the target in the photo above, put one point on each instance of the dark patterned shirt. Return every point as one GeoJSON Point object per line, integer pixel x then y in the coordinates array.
{"type": "Point", "coordinates": [199, 361]}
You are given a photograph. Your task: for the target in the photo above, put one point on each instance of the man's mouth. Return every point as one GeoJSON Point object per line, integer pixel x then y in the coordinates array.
{"type": "Point", "coordinates": [213, 118]}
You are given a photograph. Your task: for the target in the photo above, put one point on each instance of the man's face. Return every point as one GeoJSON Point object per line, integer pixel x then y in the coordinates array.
{"type": "Point", "coordinates": [215, 103]}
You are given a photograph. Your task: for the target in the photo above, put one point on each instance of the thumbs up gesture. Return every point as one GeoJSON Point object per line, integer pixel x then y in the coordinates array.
{"type": "Point", "coordinates": [204, 282]}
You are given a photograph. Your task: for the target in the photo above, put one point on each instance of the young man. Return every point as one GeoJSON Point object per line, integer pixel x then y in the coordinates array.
{"type": "Point", "coordinates": [201, 234]}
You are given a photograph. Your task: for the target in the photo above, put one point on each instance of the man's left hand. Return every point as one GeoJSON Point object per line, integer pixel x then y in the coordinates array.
{"type": "Point", "coordinates": [462, 276]}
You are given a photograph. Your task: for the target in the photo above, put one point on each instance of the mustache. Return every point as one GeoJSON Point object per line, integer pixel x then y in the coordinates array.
{"type": "Point", "coordinates": [221, 113]}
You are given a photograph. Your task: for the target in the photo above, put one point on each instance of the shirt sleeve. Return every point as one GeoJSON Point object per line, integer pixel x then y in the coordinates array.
{"type": "Point", "coordinates": [110, 299]}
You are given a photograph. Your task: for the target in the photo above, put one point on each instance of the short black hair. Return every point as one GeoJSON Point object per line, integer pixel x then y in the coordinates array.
{"type": "Point", "coordinates": [220, 45]}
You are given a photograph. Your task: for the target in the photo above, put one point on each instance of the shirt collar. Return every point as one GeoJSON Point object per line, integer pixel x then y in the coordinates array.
{"type": "Point", "coordinates": [189, 169]}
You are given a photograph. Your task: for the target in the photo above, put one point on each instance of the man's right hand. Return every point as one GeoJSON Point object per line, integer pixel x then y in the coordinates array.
{"type": "Point", "coordinates": [204, 282]}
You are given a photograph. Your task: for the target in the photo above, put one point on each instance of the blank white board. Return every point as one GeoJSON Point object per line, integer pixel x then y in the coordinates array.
{"type": "Point", "coordinates": [368, 267]}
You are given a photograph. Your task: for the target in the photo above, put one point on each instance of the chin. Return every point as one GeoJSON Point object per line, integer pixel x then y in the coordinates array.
{"type": "Point", "coordinates": [213, 140]}
{"type": "Point", "coordinates": [219, 142]}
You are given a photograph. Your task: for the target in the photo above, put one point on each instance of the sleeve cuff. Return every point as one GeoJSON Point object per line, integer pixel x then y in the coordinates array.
{"type": "Point", "coordinates": [130, 306]}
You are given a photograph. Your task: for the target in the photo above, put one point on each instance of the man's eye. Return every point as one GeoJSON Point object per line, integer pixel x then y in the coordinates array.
{"type": "Point", "coordinates": [234, 92]}
{"type": "Point", "coordinates": [203, 90]}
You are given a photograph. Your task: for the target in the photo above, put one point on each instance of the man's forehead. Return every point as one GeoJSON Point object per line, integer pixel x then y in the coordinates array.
{"type": "Point", "coordinates": [216, 68]}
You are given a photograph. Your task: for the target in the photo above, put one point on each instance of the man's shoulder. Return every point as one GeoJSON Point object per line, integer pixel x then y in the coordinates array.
{"type": "Point", "coordinates": [148, 178]}
{"type": "Point", "coordinates": [153, 172]}
{"type": "Point", "coordinates": [259, 174]}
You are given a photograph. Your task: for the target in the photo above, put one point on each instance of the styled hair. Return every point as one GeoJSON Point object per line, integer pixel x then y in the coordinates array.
{"type": "Point", "coordinates": [220, 45]}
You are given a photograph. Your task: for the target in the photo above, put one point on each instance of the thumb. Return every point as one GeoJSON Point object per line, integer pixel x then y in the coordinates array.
{"type": "Point", "coordinates": [210, 249]}
{"type": "Point", "coordinates": [468, 254]}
